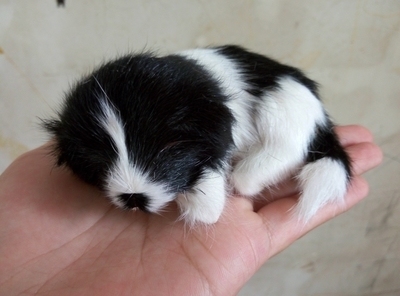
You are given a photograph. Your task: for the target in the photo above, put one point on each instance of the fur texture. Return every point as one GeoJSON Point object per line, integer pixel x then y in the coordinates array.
{"type": "Point", "coordinates": [148, 130]}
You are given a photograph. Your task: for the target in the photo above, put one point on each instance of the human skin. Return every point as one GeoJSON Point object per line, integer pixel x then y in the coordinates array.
{"type": "Point", "coordinates": [60, 236]}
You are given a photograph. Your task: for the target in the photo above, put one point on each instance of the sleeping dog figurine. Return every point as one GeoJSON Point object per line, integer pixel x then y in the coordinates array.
{"type": "Point", "coordinates": [193, 126]}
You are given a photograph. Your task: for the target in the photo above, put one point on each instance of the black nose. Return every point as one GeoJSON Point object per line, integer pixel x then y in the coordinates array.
{"type": "Point", "coordinates": [135, 200]}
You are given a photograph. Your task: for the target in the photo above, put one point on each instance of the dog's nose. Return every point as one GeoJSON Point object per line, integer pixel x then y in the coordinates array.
{"type": "Point", "coordinates": [135, 200]}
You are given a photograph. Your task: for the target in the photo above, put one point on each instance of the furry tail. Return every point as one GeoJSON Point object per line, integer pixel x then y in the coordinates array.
{"type": "Point", "coordinates": [326, 175]}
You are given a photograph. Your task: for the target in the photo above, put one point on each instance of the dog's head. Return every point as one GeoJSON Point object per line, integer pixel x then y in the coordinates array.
{"type": "Point", "coordinates": [143, 129]}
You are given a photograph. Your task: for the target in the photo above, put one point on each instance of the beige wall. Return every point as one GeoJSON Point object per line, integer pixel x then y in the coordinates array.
{"type": "Point", "coordinates": [351, 47]}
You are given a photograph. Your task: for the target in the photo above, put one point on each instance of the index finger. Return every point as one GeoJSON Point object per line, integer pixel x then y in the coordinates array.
{"type": "Point", "coordinates": [353, 134]}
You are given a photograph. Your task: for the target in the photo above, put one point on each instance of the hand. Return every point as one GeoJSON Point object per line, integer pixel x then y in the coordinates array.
{"type": "Point", "coordinates": [59, 236]}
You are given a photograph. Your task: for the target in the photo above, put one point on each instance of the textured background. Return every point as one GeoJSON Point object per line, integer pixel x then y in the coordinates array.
{"type": "Point", "coordinates": [351, 47]}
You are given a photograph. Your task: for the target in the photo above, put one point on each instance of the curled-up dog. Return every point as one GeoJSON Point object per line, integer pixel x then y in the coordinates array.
{"type": "Point", "coordinates": [191, 126]}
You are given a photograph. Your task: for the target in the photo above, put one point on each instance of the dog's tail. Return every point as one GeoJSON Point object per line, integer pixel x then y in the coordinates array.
{"type": "Point", "coordinates": [326, 174]}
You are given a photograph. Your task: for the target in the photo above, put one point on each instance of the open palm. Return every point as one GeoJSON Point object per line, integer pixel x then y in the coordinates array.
{"type": "Point", "coordinates": [59, 236]}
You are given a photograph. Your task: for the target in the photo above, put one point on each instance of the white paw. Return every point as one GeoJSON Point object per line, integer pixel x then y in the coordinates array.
{"type": "Point", "coordinates": [245, 183]}
{"type": "Point", "coordinates": [259, 170]}
{"type": "Point", "coordinates": [248, 178]}
{"type": "Point", "coordinates": [194, 212]}
{"type": "Point", "coordinates": [205, 202]}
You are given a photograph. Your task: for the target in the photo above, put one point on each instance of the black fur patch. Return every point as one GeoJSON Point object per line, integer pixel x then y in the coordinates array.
{"type": "Point", "coordinates": [326, 144]}
{"type": "Point", "coordinates": [263, 73]}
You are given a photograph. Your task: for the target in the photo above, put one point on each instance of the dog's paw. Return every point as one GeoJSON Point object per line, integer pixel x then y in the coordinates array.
{"type": "Point", "coordinates": [205, 202]}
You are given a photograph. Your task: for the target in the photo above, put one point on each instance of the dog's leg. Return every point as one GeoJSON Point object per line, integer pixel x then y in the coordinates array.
{"type": "Point", "coordinates": [205, 201]}
{"type": "Point", "coordinates": [285, 124]}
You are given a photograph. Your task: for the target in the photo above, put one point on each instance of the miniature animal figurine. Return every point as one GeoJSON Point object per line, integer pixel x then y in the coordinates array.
{"type": "Point", "coordinates": [191, 126]}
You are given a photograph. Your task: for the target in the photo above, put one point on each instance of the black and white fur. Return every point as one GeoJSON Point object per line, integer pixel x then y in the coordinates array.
{"type": "Point", "coordinates": [148, 130]}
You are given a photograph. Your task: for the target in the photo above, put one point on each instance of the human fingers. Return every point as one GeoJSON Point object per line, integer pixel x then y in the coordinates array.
{"type": "Point", "coordinates": [364, 156]}
{"type": "Point", "coordinates": [353, 134]}
{"type": "Point", "coordinates": [282, 227]}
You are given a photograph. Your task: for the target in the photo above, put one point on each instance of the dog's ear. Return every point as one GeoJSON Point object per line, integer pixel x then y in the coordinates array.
{"type": "Point", "coordinates": [53, 127]}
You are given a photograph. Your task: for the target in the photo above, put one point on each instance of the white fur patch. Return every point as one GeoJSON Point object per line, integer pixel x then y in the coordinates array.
{"type": "Point", "coordinates": [285, 123]}
{"type": "Point", "coordinates": [205, 202]}
{"type": "Point", "coordinates": [321, 182]}
{"type": "Point", "coordinates": [125, 177]}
